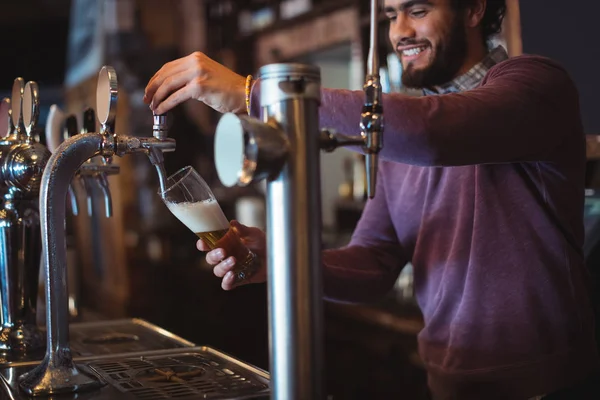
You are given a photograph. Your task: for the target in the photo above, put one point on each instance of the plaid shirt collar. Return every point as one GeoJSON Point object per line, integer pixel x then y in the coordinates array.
{"type": "Point", "coordinates": [473, 77]}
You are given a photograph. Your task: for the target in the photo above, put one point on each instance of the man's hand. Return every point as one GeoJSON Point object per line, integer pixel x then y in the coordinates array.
{"type": "Point", "coordinates": [196, 77]}
{"type": "Point", "coordinates": [253, 239]}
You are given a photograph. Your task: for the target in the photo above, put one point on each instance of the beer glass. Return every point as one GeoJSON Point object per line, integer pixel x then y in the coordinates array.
{"type": "Point", "coordinates": [189, 198]}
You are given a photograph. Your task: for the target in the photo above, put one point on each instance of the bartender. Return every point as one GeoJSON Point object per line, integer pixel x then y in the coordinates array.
{"type": "Point", "coordinates": [480, 187]}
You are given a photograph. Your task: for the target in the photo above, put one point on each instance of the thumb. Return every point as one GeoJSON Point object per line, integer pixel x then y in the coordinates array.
{"type": "Point", "coordinates": [241, 229]}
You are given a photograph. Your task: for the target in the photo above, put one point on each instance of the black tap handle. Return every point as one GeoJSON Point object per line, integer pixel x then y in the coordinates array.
{"type": "Point", "coordinates": [89, 120]}
{"type": "Point", "coordinates": [71, 125]}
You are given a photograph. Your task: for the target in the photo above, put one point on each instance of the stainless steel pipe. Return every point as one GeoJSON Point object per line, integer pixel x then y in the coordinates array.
{"type": "Point", "coordinates": [290, 94]}
{"type": "Point", "coordinates": [285, 150]}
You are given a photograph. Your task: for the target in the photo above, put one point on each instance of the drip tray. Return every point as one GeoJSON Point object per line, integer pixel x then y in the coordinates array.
{"type": "Point", "coordinates": [198, 374]}
{"type": "Point", "coordinates": [180, 374]}
{"type": "Point", "coordinates": [97, 338]}
{"type": "Point", "coordinates": [121, 336]}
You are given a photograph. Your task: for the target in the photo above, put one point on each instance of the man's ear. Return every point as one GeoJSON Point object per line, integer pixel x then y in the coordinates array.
{"type": "Point", "coordinates": [475, 13]}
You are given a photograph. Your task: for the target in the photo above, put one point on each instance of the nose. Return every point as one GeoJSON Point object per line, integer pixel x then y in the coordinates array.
{"type": "Point", "coordinates": [401, 30]}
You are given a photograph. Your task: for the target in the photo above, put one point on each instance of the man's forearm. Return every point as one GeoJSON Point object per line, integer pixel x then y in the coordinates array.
{"type": "Point", "coordinates": [523, 111]}
{"type": "Point", "coordinates": [360, 274]}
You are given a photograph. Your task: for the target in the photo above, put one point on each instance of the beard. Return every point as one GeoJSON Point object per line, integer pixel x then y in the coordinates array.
{"type": "Point", "coordinates": [448, 57]}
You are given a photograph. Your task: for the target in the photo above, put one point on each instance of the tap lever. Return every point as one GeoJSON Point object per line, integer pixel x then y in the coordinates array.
{"type": "Point", "coordinates": [89, 120]}
{"type": "Point", "coordinates": [31, 107]}
{"type": "Point", "coordinates": [160, 127]}
{"type": "Point", "coordinates": [5, 118]}
{"type": "Point", "coordinates": [17, 103]}
{"type": "Point", "coordinates": [106, 98]}
{"type": "Point", "coordinates": [71, 127]}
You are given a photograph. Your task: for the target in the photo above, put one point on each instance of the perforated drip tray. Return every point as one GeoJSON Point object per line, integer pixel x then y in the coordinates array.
{"type": "Point", "coordinates": [199, 374]}
{"type": "Point", "coordinates": [180, 374]}
{"type": "Point", "coordinates": [121, 336]}
{"type": "Point", "coordinates": [109, 337]}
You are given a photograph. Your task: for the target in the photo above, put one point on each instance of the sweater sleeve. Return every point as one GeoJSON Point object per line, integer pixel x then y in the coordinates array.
{"type": "Point", "coordinates": [368, 267]}
{"type": "Point", "coordinates": [522, 111]}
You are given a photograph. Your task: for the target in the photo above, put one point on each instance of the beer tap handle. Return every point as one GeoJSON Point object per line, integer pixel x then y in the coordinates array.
{"type": "Point", "coordinates": [16, 102]}
{"type": "Point", "coordinates": [160, 126]}
{"type": "Point", "coordinates": [55, 127]}
{"type": "Point", "coordinates": [89, 120]}
{"type": "Point", "coordinates": [107, 95]}
{"type": "Point", "coordinates": [31, 108]}
{"type": "Point", "coordinates": [71, 128]}
{"type": "Point", "coordinates": [6, 126]}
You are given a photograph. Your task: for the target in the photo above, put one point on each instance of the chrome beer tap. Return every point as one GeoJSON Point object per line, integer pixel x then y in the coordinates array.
{"type": "Point", "coordinates": [57, 373]}
{"type": "Point", "coordinates": [284, 149]}
{"type": "Point", "coordinates": [96, 170]}
{"type": "Point", "coordinates": [22, 161]}
{"type": "Point", "coordinates": [371, 117]}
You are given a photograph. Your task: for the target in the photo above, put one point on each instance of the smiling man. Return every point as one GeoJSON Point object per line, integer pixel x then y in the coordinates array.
{"type": "Point", "coordinates": [432, 41]}
{"type": "Point", "coordinates": [480, 187]}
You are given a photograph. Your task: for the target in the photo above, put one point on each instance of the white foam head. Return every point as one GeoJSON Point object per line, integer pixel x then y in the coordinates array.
{"type": "Point", "coordinates": [201, 216]}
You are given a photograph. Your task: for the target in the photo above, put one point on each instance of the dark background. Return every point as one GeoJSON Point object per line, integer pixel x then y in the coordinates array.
{"type": "Point", "coordinates": [568, 32]}
{"type": "Point", "coordinates": [33, 43]}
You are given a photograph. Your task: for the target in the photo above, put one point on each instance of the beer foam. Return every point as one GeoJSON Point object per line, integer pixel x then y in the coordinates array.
{"type": "Point", "coordinates": [201, 216]}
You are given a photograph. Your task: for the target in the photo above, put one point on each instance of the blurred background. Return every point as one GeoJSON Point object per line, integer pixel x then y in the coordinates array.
{"type": "Point", "coordinates": [142, 262]}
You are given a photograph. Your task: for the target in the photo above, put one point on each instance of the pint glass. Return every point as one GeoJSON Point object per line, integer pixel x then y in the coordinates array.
{"type": "Point", "coordinates": [190, 199]}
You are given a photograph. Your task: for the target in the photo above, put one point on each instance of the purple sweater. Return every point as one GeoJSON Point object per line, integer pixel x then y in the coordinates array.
{"type": "Point", "coordinates": [483, 192]}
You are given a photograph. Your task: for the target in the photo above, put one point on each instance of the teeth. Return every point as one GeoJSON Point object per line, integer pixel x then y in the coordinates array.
{"type": "Point", "coordinates": [413, 52]}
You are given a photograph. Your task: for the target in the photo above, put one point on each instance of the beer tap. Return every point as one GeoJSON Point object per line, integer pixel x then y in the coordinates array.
{"type": "Point", "coordinates": [22, 161]}
{"type": "Point", "coordinates": [57, 373]}
{"type": "Point", "coordinates": [371, 118]}
{"type": "Point", "coordinates": [96, 170]}
{"type": "Point", "coordinates": [284, 149]}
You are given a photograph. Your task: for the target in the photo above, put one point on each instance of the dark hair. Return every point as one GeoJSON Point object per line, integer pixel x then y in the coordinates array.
{"type": "Point", "coordinates": [491, 23]}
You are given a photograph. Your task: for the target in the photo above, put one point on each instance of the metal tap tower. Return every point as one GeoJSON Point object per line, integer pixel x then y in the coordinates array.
{"type": "Point", "coordinates": [284, 149]}
{"type": "Point", "coordinates": [57, 373]}
{"type": "Point", "coordinates": [22, 160]}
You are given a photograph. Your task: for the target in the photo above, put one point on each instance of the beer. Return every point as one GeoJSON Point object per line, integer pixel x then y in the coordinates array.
{"type": "Point", "coordinates": [207, 221]}
{"type": "Point", "coordinates": [204, 218]}
{"type": "Point", "coordinates": [212, 238]}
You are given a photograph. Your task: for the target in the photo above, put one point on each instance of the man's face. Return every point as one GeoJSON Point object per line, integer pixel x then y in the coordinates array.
{"type": "Point", "coordinates": [430, 39]}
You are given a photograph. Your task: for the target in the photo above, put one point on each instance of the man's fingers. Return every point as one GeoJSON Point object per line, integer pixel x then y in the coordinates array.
{"type": "Point", "coordinates": [176, 98]}
{"type": "Point", "coordinates": [170, 85]}
{"type": "Point", "coordinates": [222, 268]}
{"type": "Point", "coordinates": [215, 256]}
{"type": "Point", "coordinates": [228, 281]}
{"type": "Point", "coordinates": [200, 245]}
{"type": "Point", "coordinates": [167, 70]}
